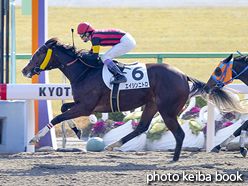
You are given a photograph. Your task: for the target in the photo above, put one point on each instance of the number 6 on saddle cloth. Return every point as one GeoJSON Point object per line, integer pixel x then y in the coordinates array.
{"type": "Point", "coordinates": [137, 78]}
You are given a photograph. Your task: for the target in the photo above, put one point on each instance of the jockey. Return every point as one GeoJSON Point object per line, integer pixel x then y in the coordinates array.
{"type": "Point", "coordinates": [121, 41]}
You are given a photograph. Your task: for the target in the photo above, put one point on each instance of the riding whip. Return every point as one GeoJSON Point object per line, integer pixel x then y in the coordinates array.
{"type": "Point", "coordinates": [72, 30]}
{"type": "Point", "coordinates": [240, 53]}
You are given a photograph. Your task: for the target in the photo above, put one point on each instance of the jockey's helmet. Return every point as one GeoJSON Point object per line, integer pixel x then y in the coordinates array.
{"type": "Point", "coordinates": [84, 27]}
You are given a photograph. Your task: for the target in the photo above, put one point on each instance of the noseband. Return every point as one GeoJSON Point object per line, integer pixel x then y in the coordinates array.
{"type": "Point", "coordinates": [226, 76]}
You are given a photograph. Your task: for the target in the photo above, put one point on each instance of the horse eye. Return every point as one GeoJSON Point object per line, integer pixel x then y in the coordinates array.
{"type": "Point", "coordinates": [218, 71]}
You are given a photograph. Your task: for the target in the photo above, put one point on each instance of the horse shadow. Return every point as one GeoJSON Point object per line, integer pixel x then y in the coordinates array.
{"type": "Point", "coordinates": [53, 169]}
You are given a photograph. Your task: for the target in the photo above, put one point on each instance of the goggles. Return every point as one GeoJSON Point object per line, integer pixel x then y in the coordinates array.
{"type": "Point", "coordinates": [82, 35]}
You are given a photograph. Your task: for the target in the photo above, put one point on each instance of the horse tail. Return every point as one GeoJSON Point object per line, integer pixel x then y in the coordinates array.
{"type": "Point", "coordinates": [223, 99]}
{"type": "Point", "coordinates": [197, 88]}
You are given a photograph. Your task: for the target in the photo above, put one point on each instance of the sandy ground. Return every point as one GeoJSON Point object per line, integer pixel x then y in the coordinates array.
{"type": "Point", "coordinates": [63, 167]}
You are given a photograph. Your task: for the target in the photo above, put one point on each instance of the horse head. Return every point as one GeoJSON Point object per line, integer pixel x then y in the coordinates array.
{"type": "Point", "coordinates": [54, 54]}
{"type": "Point", "coordinates": [224, 74]}
{"type": "Point", "coordinates": [43, 59]}
{"type": "Point", "coordinates": [221, 76]}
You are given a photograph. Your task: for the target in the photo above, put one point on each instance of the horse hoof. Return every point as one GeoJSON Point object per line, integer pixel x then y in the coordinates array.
{"type": "Point", "coordinates": [108, 147]}
{"type": "Point", "coordinates": [111, 146]}
{"type": "Point", "coordinates": [215, 150]}
{"type": "Point", "coordinates": [33, 142]}
{"type": "Point", "coordinates": [79, 134]}
{"type": "Point", "coordinates": [243, 152]}
{"type": "Point", "coordinates": [172, 161]}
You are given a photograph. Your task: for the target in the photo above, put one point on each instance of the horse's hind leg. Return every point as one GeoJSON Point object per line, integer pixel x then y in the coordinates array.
{"type": "Point", "coordinates": [148, 113]}
{"type": "Point", "coordinates": [177, 131]}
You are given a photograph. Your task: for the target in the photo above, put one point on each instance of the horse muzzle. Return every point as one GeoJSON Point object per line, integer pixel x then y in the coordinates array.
{"type": "Point", "coordinates": [32, 72]}
{"type": "Point", "coordinates": [29, 75]}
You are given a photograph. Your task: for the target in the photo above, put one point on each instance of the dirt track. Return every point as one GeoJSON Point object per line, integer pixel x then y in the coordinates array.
{"type": "Point", "coordinates": [120, 168]}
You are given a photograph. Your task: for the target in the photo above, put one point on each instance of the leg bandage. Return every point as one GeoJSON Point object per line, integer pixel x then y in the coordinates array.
{"type": "Point", "coordinates": [71, 123]}
{"type": "Point", "coordinates": [43, 131]}
{"type": "Point", "coordinates": [49, 125]}
{"type": "Point", "coordinates": [227, 141]}
{"type": "Point", "coordinates": [242, 138]}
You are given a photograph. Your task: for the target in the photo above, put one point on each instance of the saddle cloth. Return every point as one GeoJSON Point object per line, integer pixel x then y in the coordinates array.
{"type": "Point", "coordinates": [136, 75]}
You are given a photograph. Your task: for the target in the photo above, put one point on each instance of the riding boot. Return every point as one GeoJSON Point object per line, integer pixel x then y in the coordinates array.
{"type": "Point", "coordinates": [118, 75]}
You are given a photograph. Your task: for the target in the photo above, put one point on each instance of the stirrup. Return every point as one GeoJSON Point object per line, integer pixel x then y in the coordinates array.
{"type": "Point", "coordinates": [120, 79]}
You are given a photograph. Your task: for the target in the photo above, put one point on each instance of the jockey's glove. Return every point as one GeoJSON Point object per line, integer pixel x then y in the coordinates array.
{"type": "Point", "coordinates": [80, 55]}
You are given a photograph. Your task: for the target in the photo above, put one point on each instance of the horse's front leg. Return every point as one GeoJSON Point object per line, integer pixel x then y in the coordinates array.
{"type": "Point", "coordinates": [67, 106]}
{"type": "Point", "coordinates": [243, 150]}
{"type": "Point", "coordinates": [76, 111]}
{"type": "Point", "coordinates": [73, 126]}
{"type": "Point", "coordinates": [238, 132]}
{"type": "Point", "coordinates": [70, 122]}
{"type": "Point", "coordinates": [40, 134]}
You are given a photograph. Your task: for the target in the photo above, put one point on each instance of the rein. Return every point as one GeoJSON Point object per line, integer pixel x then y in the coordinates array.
{"type": "Point", "coordinates": [80, 75]}
{"type": "Point", "coordinates": [228, 67]}
{"type": "Point", "coordinates": [68, 64]}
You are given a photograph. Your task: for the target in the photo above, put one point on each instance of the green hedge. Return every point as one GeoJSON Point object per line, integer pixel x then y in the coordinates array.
{"type": "Point", "coordinates": [118, 116]}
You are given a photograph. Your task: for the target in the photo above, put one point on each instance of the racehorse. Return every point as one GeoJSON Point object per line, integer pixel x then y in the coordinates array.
{"type": "Point", "coordinates": [168, 92]}
{"type": "Point", "coordinates": [224, 74]}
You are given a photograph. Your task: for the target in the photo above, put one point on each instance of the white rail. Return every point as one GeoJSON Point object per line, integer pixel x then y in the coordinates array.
{"type": "Point", "coordinates": [63, 92]}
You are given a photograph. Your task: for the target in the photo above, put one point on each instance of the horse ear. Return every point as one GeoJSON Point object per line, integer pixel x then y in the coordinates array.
{"type": "Point", "coordinates": [228, 59]}
{"type": "Point", "coordinates": [51, 42]}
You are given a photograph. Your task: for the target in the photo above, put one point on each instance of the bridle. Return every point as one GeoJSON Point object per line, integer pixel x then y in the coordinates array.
{"type": "Point", "coordinates": [43, 66]}
{"type": "Point", "coordinates": [224, 79]}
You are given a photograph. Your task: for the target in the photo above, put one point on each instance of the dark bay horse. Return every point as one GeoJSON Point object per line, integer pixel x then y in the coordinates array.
{"type": "Point", "coordinates": [168, 92]}
{"type": "Point", "coordinates": [224, 74]}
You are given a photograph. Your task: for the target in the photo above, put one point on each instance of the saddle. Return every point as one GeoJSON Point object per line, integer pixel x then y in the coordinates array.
{"type": "Point", "coordinates": [114, 94]}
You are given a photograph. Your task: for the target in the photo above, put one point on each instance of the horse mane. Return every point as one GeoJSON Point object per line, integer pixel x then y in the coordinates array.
{"type": "Point", "coordinates": [72, 50]}
{"type": "Point", "coordinates": [241, 58]}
